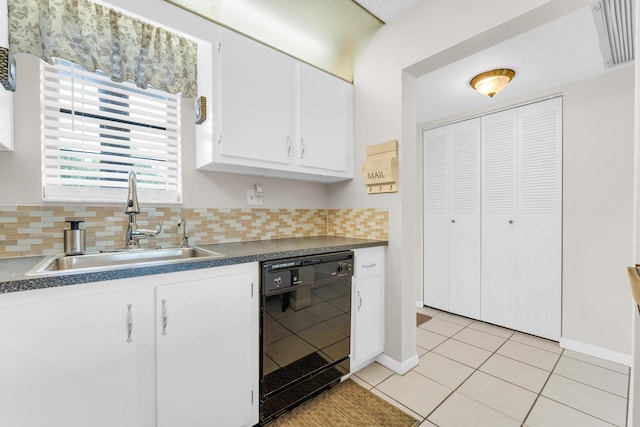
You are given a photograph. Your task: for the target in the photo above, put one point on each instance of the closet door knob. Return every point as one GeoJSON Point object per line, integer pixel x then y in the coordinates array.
{"type": "Point", "coordinates": [453, 221]}
{"type": "Point", "coordinates": [510, 221]}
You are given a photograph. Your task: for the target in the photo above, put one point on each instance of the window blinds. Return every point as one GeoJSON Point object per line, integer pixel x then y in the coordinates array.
{"type": "Point", "coordinates": [94, 131]}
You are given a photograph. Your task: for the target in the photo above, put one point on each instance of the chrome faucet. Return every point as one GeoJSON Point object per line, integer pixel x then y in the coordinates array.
{"type": "Point", "coordinates": [133, 233]}
{"type": "Point", "coordinates": [185, 240]}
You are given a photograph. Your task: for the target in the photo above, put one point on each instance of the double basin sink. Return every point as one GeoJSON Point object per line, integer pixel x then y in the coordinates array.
{"type": "Point", "coordinates": [95, 262]}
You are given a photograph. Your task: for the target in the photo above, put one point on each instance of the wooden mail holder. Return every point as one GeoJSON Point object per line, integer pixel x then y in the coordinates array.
{"type": "Point", "coordinates": [380, 170]}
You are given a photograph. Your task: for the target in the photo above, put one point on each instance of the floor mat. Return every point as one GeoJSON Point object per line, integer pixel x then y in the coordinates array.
{"type": "Point", "coordinates": [346, 404]}
{"type": "Point", "coordinates": [421, 318]}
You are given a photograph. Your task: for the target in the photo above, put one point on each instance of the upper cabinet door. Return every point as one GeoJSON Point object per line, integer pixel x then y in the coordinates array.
{"type": "Point", "coordinates": [325, 117]}
{"type": "Point", "coordinates": [256, 100]}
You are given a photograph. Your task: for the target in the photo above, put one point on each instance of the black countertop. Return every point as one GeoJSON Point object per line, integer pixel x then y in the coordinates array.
{"type": "Point", "coordinates": [13, 278]}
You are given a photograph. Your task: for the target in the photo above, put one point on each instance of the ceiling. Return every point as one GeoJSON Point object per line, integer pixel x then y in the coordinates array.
{"type": "Point", "coordinates": [562, 51]}
{"type": "Point", "coordinates": [386, 10]}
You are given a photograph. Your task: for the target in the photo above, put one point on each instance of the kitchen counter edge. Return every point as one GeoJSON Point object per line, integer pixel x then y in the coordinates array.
{"type": "Point", "coordinates": [13, 279]}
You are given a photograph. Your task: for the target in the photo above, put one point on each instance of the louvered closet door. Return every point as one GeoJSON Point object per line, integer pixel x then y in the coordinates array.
{"type": "Point", "coordinates": [465, 218]}
{"type": "Point", "coordinates": [540, 218]}
{"type": "Point", "coordinates": [499, 238]}
{"type": "Point", "coordinates": [436, 218]}
{"type": "Point", "coordinates": [452, 218]}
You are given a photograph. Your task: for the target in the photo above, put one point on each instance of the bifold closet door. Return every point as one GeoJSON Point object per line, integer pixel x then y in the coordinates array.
{"type": "Point", "coordinates": [539, 263]}
{"type": "Point", "coordinates": [452, 217]}
{"type": "Point", "coordinates": [499, 237]}
{"type": "Point", "coordinates": [522, 218]}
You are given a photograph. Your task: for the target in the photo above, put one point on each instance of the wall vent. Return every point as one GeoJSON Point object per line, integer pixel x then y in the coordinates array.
{"type": "Point", "coordinates": [614, 24]}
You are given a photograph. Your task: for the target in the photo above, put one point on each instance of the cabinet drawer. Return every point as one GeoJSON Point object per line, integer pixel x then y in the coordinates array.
{"type": "Point", "coordinates": [369, 262]}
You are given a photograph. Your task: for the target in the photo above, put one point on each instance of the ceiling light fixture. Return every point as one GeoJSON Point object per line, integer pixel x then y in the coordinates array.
{"type": "Point", "coordinates": [491, 82]}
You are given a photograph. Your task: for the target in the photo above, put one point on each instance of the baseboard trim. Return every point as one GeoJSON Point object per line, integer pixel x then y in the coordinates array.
{"type": "Point", "coordinates": [592, 350]}
{"type": "Point", "coordinates": [400, 368]}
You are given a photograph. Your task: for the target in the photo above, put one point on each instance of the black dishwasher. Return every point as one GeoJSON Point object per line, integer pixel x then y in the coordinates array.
{"type": "Point", "coordinates": [305, 328]}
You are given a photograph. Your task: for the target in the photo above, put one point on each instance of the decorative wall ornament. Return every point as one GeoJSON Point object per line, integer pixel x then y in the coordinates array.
{"type": "Point", "coordinates": [7, 70]}
{"type": "Point", "coordinates": [380, 170]}
{"type": "Point", "coordinates": [201, 110]}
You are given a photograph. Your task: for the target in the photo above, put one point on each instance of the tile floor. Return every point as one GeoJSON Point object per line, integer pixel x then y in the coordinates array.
{"type": "Point", "coordinates": [475, 374]}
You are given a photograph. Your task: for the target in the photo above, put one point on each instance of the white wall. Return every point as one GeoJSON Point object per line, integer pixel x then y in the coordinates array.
{"type": "Point", "coordinates": [432, 34]}
{"type": "Point", "coordinates": [598, 212]}
{"type": "Point", "coordinates": [20, 170]}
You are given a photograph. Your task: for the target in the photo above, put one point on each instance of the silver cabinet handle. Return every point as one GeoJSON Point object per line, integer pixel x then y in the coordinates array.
{"type": "Point", "coordinates": [301, 148]}
{"type": "Point", "coordinates": [288, 146]}
{"type": "Point", "coordinates": [165, 317]}
{"type": "Point", "coordinates": [510, 221]}
{"type": "Point", "coordinates": [370, 265]}
{"type": "Point", "coordinates": [453, 221]}
{"type": "Point", "coordinates": [359, 301]}
{"type": "Point", "coordinates": [129, 322]}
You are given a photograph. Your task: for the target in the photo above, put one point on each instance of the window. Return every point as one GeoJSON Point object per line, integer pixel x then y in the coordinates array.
{"type": "Point", "coordinates": [94, 131]}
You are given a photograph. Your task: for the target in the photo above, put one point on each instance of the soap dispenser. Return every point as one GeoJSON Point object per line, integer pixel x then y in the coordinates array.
{"type": "Point", "coordinates": [74, 242]}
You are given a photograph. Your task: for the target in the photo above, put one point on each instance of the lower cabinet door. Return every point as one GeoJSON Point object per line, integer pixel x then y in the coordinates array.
{"type": "Point", "coordinates": [368, 315]}
{"type": "Point", "coordinates": [206, 343]}
{"type": "Point", "coordinates": [69, 361]}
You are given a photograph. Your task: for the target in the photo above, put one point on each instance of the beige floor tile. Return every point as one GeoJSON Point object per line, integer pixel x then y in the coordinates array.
{"type": "Point", "coordinates": [453, 318]}
{"type": "Point", "coordinates": [479, 339]}
{"type": "Point", "coordinates": [515, 372]}
{"type": "Point", "coordinates": [459, 411]}
{"type": "Point", "coordinates": [590, 400]}
{"type": "Point", "coordinates": [443, 370]}
{"type": "Point", "coordinates": [529, 355]}
{"type": "Point", "coordinates": [595, 376]}
{"type": "Point", "coordinates": [441, 327]}
{"type": "Point", "coordinates": [374, 374]}
{"type": "Point", "coordinates": [464, 353]}
{"type": "Point", "coordinates": [548, 413]}
{"type": "Point", "coordinates": [421, 351]}
{"type": "Point", "coordinates": [360, 382]}
{"type": "Point", "coordinates": [597, 361]}
{"type": "Point", "coordinates": [537, 342]}
{"type": "Point", "coordinates": [428, 311]}
{"type": "Point", "coordinates": [491, 329]}
{"type": "Point", "coordinates": [427, 339]}
{"type": "Point", "coordinates": [504, 397]}
{"type": "Point", "coordinates": [396, 404]}
{"type": "Point", "coordinates": [416, 392]}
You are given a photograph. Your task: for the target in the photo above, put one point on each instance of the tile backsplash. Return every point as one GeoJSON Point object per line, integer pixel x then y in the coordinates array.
{"type": "Point", "coordinates": [38, 230]}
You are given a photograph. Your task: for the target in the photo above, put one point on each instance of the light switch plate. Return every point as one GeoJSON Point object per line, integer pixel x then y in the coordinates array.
{"type": "Point", "coordinates": [253, 198]}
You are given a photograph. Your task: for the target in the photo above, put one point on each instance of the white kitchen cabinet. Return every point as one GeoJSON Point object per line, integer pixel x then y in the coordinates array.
{"type": "Point", "coordinates": [206, 338]}
{"type": "Point", "coordinates": [256, 106]}
{"type": "Point", "coordinates": [367, 337]}
{"type": "Point", "coordinates": [324, 121]}
{"type": "Point", "coordinates": [452, 218]}
{"type": "Point", "coordinates": [6, 120]}
{"type": "Point", "coordinates": [275, 116]}
{"type": "Point", "coordinates": [66, 358]}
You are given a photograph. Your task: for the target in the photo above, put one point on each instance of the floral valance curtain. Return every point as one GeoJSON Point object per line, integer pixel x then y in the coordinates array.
{"type": "Point", "coordinates": [98, 37]}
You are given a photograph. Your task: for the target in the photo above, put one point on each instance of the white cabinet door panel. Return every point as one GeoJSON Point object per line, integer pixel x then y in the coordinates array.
{"type": "Point", "coordinates": [256, 100]}
{"type": "Point", "coordinates": [324, 120]}
{"type": "Point", "coordinates": [205, 352]}
{"type": "Point", "coordinates": [66, 362]}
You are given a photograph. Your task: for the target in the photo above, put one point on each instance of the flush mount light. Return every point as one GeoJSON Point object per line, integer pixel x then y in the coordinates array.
{"type": "Point", "coordinates": [491, 82]}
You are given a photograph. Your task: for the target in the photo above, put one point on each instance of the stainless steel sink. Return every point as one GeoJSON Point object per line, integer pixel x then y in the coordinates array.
{"type": "Point", "coordinates": [120, 259]}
